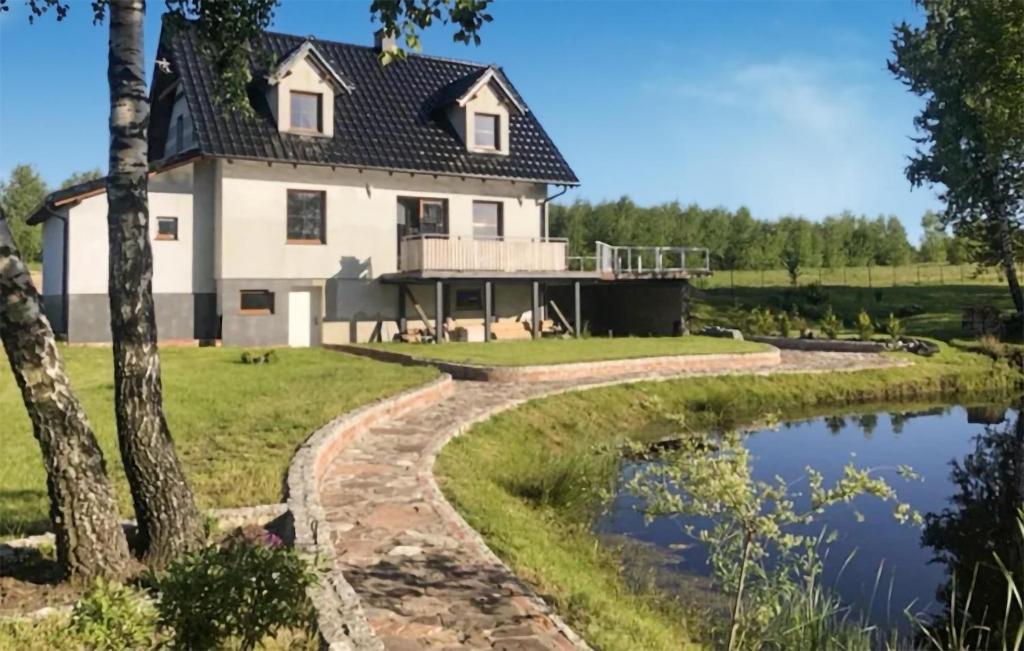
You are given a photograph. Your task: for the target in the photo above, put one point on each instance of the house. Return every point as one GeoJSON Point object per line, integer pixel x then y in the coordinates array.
{"type": "Point", "coordinates": [356, 202]}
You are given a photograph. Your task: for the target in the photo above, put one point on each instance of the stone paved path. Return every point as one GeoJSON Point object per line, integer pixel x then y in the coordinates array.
{"type": "Point", "coordinates": [425, 579]}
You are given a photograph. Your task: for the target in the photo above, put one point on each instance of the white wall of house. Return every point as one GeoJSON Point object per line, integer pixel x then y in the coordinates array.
{"type": "Point", "coordinates": [361, 217]}
{"type": "Point", "coordinates": [170, 195]}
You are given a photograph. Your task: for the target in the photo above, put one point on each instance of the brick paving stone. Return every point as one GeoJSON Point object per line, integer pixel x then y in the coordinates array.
{"type": "Point", "coordinates": [424, 579]}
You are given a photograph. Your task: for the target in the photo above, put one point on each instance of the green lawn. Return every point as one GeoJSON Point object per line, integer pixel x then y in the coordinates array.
{"type": "Point", "coordinates": [566, 351]}
{"type": "Point", "coordinates": [530, 479]}
{"type": "Point", "coordinates": [876, 276]}
{"type": "Point", "coordinates": [235, 425]}
{"type": "Point", "coordinates": [940, 306]}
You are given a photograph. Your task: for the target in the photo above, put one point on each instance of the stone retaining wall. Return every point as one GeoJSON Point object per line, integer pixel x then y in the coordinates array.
{"type": "Point", "coordinates": [340, 618]}
{"type": "Point", "coordinates": [579, 370]}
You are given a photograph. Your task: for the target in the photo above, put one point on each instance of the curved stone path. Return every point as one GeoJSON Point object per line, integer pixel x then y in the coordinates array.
{"type": "Point", "coordinates": [425, 579]}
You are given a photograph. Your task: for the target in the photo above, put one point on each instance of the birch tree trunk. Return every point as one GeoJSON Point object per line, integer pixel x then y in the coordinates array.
{"type": "Point", "coordinates": [169, 522]}
{"type": "Point", "coordinates": [90, 541]}
{"type": "Point", "coordinates": [1007, 257]}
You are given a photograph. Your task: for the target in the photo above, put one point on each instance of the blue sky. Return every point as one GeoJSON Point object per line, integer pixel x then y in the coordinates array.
{"type": "Point", "coordinates": [785, 107]}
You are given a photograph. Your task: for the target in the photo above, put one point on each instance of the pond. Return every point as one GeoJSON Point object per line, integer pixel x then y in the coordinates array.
{"type": "Point", "coordinates": [971, 461]}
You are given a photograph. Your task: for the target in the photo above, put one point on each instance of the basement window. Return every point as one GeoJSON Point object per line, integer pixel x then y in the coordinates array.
{"type": "Point", "coordinates": [256, 302]}
{"type": "Point", "coordinates": [166, 228]}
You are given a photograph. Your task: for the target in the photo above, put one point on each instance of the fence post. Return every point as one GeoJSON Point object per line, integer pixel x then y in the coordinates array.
{"type": "Point", "coordinates": [942, 275]}
{"type": "Point", "coordinates": [961, 274]}
{"type": "Point", "coordinates": [844, 275]}
{"type": "Point", "coordinates": [869, 276]}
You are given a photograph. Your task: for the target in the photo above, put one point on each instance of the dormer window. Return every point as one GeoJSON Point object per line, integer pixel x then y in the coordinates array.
{"type": "Point", "coordinates": [306, 112]}
{"type": "Point", "coordinates": [486, 128]}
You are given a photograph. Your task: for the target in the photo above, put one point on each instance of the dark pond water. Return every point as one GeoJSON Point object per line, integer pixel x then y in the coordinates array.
{"type": "Point", "coordinates": [987, 441]}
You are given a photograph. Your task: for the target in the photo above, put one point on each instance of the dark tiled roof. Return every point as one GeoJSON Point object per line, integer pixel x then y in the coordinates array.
{"type": "Point", "coordinates": [390, 121]}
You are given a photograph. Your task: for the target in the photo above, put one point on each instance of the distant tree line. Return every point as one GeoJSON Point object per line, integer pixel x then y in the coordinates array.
{"type": "Point", "coordinates": [738, 241]}
{"type": "Point", "coordinates": [22, 193]}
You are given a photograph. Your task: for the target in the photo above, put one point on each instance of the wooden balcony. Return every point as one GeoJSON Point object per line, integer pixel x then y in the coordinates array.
{"type": "Point", "coordinates": [452, 253]}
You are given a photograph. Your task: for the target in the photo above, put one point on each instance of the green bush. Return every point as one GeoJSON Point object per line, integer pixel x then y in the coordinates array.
{"type": "Point", "coordinates": [785, 325]}
{"type": "Point", "coordinates": [242, 591]}
{"type": "Point", "coordinates": [760, 321]}
{"type": "Point", "coordinates": [865, 327]}
{"type": "Point", "coordinates": [114, 617]}
{"type": "Point", "coordinates": [830, 323]}
{"type": "Point", "coordinates": [894, 327]}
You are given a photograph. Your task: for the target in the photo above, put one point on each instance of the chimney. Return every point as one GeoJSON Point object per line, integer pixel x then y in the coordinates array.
{"type": "Point", "coordinates": [384, 41]}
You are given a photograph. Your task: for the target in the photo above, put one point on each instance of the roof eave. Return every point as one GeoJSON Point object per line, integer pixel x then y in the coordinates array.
{"type": "Point", "coordinates": [81, 191]}
{"type": "Point", "coordinates": [402, 170]}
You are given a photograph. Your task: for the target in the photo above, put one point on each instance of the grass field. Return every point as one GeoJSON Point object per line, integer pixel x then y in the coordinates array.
{"type": "Point", "coordinates": [235, 425]}
{"type": "Point", "coordinates": [529, 479]}
{"type": "Point", "coordinates": [876, 276]}
{"type": "Point", "coordinates": [565, 351]}
{"type": "Point", "coordinates": [940, 306]}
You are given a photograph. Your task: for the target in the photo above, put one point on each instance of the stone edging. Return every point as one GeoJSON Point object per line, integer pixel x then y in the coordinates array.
{"type": "Point", "coordinates": [340, 617]}
{"type": "Point", "coordinates": [577, 370]}
{"type": "Point", "coordinates": [820, 345]}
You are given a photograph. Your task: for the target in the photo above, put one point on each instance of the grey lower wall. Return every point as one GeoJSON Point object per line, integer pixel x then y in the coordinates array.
{"type": "Point", "coordinates": [239, 329]}
{"type": "Point", "coordinates": [178, 317]}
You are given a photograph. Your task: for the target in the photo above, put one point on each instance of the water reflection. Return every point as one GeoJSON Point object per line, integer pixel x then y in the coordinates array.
{"type": "Point", "coordinates": [971, 508]}
{"type": "Point", "coordinates": [980, 521]}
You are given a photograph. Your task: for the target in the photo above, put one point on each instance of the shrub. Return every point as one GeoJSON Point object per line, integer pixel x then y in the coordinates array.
{"type": "Point", "coordinates": [268, 357]}
{"type": "Point", "coordinates": [830, 323]}
{"type": "Point", "coordinates": [785, 325]}
{"type": "Point", "coordinates": [894, 327]}
{"type": "Point", "coordinates": [244, 590]}
{"type": "Point", "coordinates": [991, 346]}
{"type": "Point", "coordinates": [760, 321]}
{"type": "Point", "coordinates": [114, 617]}
{"type": "Point", "coordinates": [797, 322]}
{"type": "Point", "coordinates": [865, 327]}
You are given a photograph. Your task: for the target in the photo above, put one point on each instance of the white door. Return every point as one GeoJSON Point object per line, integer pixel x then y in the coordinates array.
{"type": "Point", "coordinates": [299, 319]}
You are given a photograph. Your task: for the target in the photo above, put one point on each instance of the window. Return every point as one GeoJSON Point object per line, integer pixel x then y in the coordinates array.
{"type": "Point", "coordinates": [485, 130]}
{"type": "Point", "coordinates": [487, 222]}
{"type": "Point", "coordinates": [256, 301]}
{"type": "Point", "coordinates": [166, 228]}
{"type": "Point", "coordinates": [179, 132]}
{"type": "Point", "coordinates": [432, 216]}
{"type": "Point", "coordinates": [306, 111]}
{"type": "Point", "coordinates": [306, 217]}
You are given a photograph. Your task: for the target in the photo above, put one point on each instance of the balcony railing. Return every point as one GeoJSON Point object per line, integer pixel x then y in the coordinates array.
{"type": "Point", "coordinates": [651, 260]}
{"type": "Point", "coordinates": [511, 255]}
{"type": "Point", "coordinates": [456, 253]}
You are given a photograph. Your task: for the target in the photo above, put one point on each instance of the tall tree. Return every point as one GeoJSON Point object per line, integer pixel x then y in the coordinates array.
{"type": "Point", "coordinates": [967, 61]}
{"type": "Point", "coordinates": [83, 510]}
{"type": "Point", "coordinates": [934, 240]}
{"type": "Point", "coordinates": [81, 177]}
{"type": "Point", "coordinates": [19, 196]}
{"type": "Point", "coordinates": [169, 522]}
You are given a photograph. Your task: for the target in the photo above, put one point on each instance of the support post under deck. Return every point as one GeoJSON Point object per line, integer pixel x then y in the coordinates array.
{"type": "Point", "coordinates": [577, 312]}
{"type": "Point", "coordinates": [488, 315]}
{"type": "Point", "coordinates": [402, 321]}
{"type": "Point", "coordinates": [439, 312]}
{"type": "Point", "coordinates": [535, 312]}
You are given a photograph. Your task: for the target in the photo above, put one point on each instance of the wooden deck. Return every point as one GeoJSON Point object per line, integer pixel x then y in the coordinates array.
{"type": "Point", "coordinates": [444, 257]}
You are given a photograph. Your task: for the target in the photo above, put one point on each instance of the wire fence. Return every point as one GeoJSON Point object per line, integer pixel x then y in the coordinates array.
{"type": "Point", "coordinates": [873, 276]}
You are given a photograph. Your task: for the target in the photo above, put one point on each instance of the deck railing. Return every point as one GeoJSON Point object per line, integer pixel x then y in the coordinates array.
{"type": "Point", "coordinates": [652, 260]}
{"type": "Point", "coordinates": [504, 254]}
